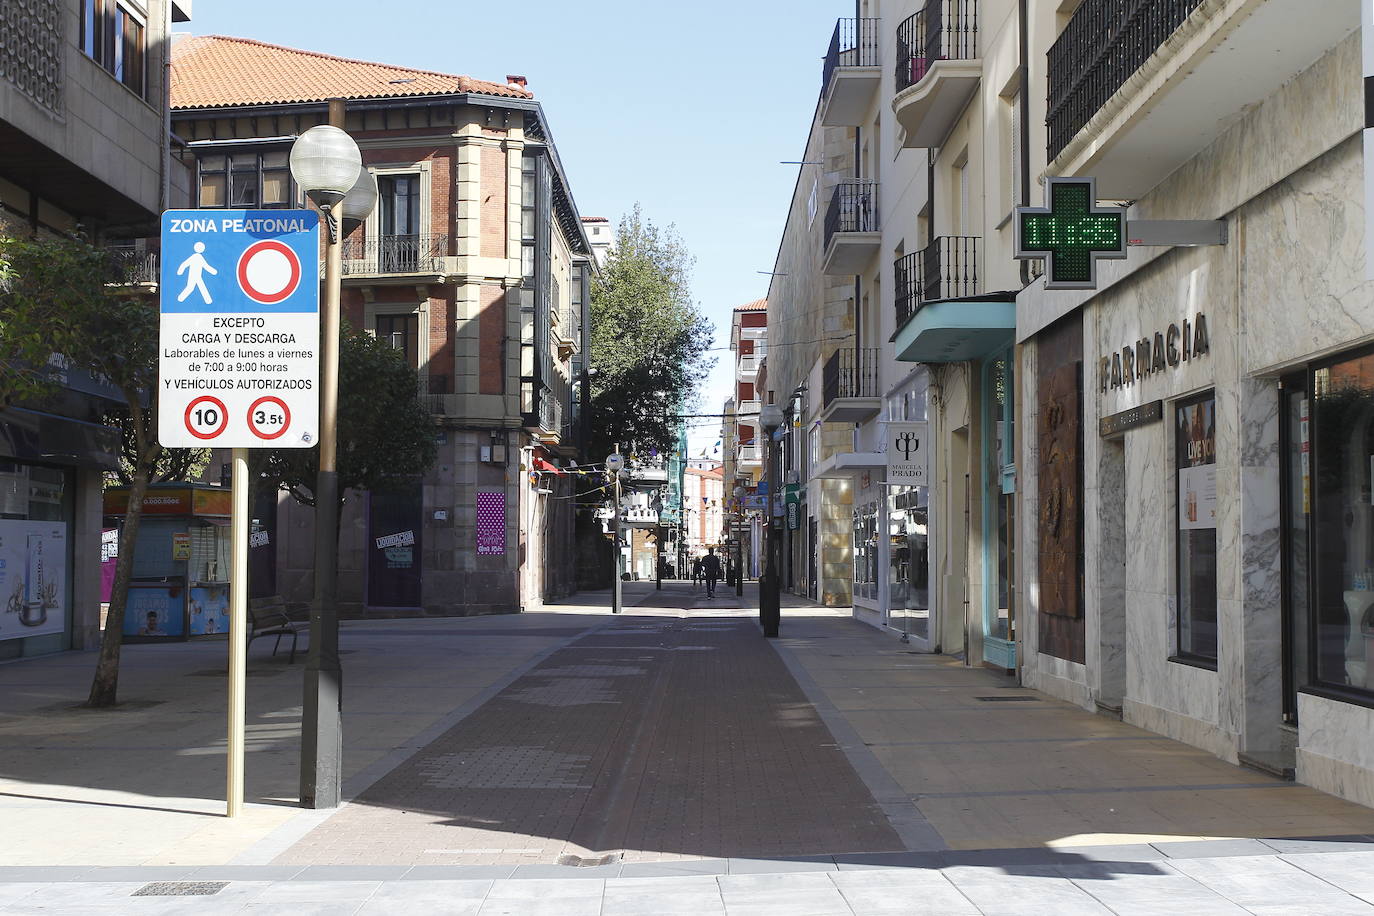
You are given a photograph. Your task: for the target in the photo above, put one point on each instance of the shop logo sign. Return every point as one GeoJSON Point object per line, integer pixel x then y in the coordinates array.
{"type": "Point", "coordinates": [907, 453]}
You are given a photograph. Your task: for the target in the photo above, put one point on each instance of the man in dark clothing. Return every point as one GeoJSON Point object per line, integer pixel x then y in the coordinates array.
{"type": "Point", "coordinates": [710, 568]}
{"type": "Point", "coordinates": [696, 570]}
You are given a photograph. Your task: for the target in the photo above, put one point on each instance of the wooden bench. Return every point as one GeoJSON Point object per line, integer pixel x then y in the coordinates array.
{"type": "Point", "coordinates": [270, 619]}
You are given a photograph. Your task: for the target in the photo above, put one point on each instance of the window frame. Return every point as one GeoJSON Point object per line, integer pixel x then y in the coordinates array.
{"type": "Point", "coordinates": [102, 30]}
{"type": "Point", "coordinates": [259, 171]}
{"type": "Point", "coordinates": [1180, 654]}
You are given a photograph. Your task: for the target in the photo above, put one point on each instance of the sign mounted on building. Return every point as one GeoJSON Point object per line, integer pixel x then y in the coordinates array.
{"type": "Point", "coordinates": [1071, 232]}
{"type": "Point", "coordinates": [240, 329]}
{"type": "Point", "coordinates": [908, 450]}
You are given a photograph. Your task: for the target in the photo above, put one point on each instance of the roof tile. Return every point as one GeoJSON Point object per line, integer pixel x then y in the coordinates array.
{"type": "Point", "coordinates": [213, 71]}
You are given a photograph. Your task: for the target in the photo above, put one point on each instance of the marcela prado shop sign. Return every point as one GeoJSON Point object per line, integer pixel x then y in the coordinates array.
{"type": "Point", "coordinates": [1167, 349]}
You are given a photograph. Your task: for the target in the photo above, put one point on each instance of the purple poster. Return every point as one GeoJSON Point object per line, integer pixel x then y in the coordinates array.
{"type": "Point", "coordinates": [109, 557]}
{"type": "Point", "coordinates": [491, 524]}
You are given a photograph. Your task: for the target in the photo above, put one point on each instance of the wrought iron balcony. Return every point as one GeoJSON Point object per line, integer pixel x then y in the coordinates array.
{"type": "Point", "coordinates": [849, 385]}
{"type": "Point", "coordinates": [394, 254]}
{"type": "Point", "coordinates": [1104, 43]}
{"type": "Point", "coordinates": [850, 74]}
{"type": "Point", "coordinates": [947, 268]}
{"type": "Point", "coordinates": [851, 216]}
{"type": "Point", "coordinates": [943, 30]}
{"type": "Point", "coordinates": [938, 70]}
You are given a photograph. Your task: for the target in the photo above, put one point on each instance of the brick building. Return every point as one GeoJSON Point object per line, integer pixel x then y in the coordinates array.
{"type": "Point", "coordinates": [474, 265]}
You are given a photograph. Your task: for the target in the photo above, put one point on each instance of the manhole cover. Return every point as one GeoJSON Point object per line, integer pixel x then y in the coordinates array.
{"type": "Point", "coordinates": [180, 889]}
{"type": "Point", "coordinates": [1005, 699]}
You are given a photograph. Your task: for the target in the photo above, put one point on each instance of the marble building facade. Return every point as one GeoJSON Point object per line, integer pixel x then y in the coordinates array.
{"type": "Point", "coordinates": [1224, 526]}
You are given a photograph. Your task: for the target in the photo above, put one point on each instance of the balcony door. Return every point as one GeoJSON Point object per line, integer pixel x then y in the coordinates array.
{"type": "Point", "coordinates": [399, 196]}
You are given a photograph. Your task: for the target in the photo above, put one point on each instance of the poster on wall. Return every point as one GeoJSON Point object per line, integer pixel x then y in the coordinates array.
{"type": "Point", "coordinates": [491, 524]}
{"type": "Point", "coordinates": [1197, 469]}
{"type": "Point", "coordinates": [33, 578]}
{"type": "Point", "coordinates": [109, 558]}
{"type": "Point", "coordinates": [155, 610]}
{"type": "Point", "coordinates": [209, 609]}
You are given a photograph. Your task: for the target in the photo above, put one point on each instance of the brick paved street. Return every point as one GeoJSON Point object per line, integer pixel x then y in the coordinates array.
{"type": "Point", "coordinates": [659, 737]}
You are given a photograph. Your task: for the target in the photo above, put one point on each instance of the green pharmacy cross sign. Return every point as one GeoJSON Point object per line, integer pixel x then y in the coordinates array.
{"type": "Point", "coordinates": [1070, 232]}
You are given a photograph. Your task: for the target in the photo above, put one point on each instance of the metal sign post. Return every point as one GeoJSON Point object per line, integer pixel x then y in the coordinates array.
{"type": "Point", "coordinates": [239, 341]}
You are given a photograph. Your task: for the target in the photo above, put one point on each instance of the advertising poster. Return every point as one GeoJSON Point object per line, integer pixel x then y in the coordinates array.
{"type": "Point", "coordinates": [109, 557]}
{"type": "Point", "coordinates": [155, 610]}
{"type": "Point", "coordinates": [209, 610]}
{"type": "Point", "coordinates": [1197, 468]}
{"type": "Point", "coordinates": [33, 578]}
{"type": "Point", "coordinates": [491, 524]}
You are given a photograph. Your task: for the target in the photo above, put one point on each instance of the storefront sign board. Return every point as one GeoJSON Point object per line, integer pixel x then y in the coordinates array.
{"type": "Point", "coordinates": [908, 450]}
{"type": "Point", "coordinates": [1115, 425]}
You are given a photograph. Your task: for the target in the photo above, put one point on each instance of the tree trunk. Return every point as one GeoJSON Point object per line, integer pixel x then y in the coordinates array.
{"type": "Point", "coordinates": [104, 687]}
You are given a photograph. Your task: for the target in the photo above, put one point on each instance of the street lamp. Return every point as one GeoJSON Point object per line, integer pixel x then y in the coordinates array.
{"type": "Point", "coordinates": [615, 466]}
{"type": "Point", "coordinates": [770, 589]}
{"type": "Point", "coordinates": [327, 166]}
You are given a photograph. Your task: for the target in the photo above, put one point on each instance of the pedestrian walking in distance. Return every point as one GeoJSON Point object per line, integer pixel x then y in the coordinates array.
{"type": "Point", "coordinates": [710, 568]}
{"type": "Point", "coordinates": [696, 570]}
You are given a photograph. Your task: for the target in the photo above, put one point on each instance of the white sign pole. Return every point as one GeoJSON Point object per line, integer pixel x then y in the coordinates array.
{"type": "Point", "coordinates": [238, 631]}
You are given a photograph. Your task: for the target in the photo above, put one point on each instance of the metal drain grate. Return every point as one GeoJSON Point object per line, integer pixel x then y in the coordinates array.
{"type": "Point", "coordinates": [180, 889]}
{"type": "Point", "coordinates": [610, 858]}
{"type": "Point", "coordinates": [1008, 699]}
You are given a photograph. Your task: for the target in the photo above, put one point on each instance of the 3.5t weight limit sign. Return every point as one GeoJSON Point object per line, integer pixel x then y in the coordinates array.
{"type": "Point", "coordinates": [240, 333]}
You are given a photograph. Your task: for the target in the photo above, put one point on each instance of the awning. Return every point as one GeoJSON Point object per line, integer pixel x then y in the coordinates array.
{"type": "Point", "coordinates": [32, 435]}
{"type": "Point", "coordinates": [955, 330]}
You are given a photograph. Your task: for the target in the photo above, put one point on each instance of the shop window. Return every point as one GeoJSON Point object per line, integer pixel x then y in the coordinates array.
{"type": "Point", "coordinates": [866, 551]}
{"type": "Point", "coordinates": [36, 516]}
{"type": "Point", "coordinates": [1196, 514]}
{"type": "Point", "coordinates": [115, 38]}
{"type": "Point", "coordinates": [909, 561]}
{"type": "Point", "coordinates": [246, 181]}
{"type": "Point", "coordinates": [1342, 524]}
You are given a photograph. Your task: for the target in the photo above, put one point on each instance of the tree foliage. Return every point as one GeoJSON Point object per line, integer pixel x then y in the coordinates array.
{"type": "Point", "coordinates": [385, 429]}
{"type": "Point", "coordinates": [650, 342]}
{"type": "Point", "coordinates": [62, 300]}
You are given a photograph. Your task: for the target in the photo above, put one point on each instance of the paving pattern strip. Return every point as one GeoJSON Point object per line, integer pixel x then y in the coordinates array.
{"type": "Point", "coordinates": [659, 738]}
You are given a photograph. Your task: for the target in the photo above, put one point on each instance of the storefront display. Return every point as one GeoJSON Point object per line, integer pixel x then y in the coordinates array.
{"type": "Point", "coordinates": [33, 577]}
{"type": "Point", "coordinates": [1196, 463]}
{"type": "Point", "coordinates": [908, 589]}
{"type": "Point", "coordinates": [866, 552]}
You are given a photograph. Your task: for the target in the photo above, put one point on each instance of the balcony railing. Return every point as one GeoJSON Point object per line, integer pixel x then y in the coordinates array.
{"type": "Point", "coordinates": [944, 30]}
{"type": "Point", "coordinates": [1104, 43]}
{"type": "Point", "coordinates": [853, 207]}
{"type": "Point", "coordinates": [947, 268]}
{"type": "Point", "coordinates": [850, 373]}
{"type": "Point", "coordinates": [395, 254]}
{"type": "Point", "coordinates": [134, 266]}
{"type": "Point", "coordinates": [748, 364]}
{"type": "Point", "coordinates": [854, 44]}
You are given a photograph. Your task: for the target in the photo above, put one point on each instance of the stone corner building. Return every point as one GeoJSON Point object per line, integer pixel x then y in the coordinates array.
{"type": "Point", "coordinates": [474, 265]}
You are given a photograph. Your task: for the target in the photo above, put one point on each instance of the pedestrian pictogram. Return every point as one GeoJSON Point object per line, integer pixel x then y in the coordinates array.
{"type": "Point", "coordinates": [206, 417]}
{"type": "Point", "coordinates": [269, 271]}
{"type": "Point", "coordinates": [195, 268]}
{"type": "Point", "coordinates": [269, 417]}
{"type": "Point", "coordinates": [240, 331]}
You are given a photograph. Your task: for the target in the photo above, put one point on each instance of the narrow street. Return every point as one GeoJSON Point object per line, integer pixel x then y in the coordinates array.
{"type": "Point", "coordinates": [666, 760]}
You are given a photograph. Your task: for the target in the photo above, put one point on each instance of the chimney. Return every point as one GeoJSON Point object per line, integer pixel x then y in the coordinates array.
{"type": "Point", "coordinates": [517, 82]}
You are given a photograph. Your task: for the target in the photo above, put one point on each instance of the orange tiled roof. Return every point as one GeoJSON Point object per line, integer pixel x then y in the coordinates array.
{"type": "Point", "coordinates": [758, 305]}
{"type": "Point", "coordinates": [595, 219]}
{"type": "Point", "coordinates": [213, 71]}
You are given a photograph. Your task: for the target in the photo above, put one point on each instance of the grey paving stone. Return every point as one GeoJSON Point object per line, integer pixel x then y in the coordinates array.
{"type": "Point", "coordinates": [17, 891]}
{"type": "Point", "coordinates": [311, 892]}
{"type": "Point", "coordinates": [244, 872]}
{"type": "Point", "coordinates": [145, 873]}
{"type": "Point", "coordinates": [887, 860]}
{"type": "Point", "coordinates": [447, 906]}
{"type": "Point", "coordinates": [458, 872]}
{"type": "Point", "coordinates": [1126, 852]}
{"type": "Point", "coordinates": [300, 908]}
{"type": "Point", "coordinates": [1350, 871]}
{"type": "Point", "coordinates": [400, 892]}
{"type": "Point", "coordinates": [1210, 849]}
{"type": "Point", "coordinates": [674, 869]}
{"type": "Point", "coordinates": [42, 874]}
{"type": "Point", "coordinates": [1349, 907]}
{"type": "Point", "coordinates": [781, 866]}
{"type": "Point", "coordinates": [82, 893]}
{"type": "Point", "coordinates": [567, 872]}
{"type": "Point", "coordinates": [351, 872]}
{"type": "Point", "coordinates": [534, 888]}
{"type": "Point", "coordinates": [542, 906]}
{"type": "Point", "coordinates": [1294, 845]}
{"type": "Point", "coordinates": [922, 897]}
{"type": "Point", "coordinates": [1211, 905]}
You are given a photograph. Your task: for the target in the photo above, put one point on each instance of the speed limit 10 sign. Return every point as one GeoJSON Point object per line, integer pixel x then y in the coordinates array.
{"type": "Point", "coordinates": [238, 363]}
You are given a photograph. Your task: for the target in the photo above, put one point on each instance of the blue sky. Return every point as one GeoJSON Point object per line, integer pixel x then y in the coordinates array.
{"type": "Point", "coordinates": [686, 108]}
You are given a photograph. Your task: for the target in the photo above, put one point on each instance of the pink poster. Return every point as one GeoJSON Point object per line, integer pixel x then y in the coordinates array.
{"type": "Point", "coordinates": [109, 556]}
{"type": "Point", "coordinates": [491, 524]}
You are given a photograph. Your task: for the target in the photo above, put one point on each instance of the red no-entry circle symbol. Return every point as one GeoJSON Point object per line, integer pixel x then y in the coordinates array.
{"type": "Point", "coordinates": [206, 417]}
{"type": "Point", "coordinates": [269, 271]}
{"type": "Point", "coordinates": [269, 417]}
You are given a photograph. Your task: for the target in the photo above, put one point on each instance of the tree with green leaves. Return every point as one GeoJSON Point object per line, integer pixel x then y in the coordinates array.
{"type": "Point", "coordinates": [385, 430]}
{"type": "Point", "coordinates": [650, 341]}
{"type": "Point", "coordinates": [64, 298]}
